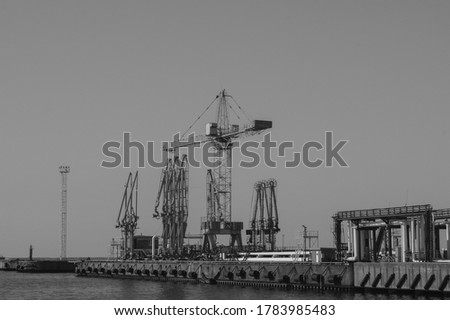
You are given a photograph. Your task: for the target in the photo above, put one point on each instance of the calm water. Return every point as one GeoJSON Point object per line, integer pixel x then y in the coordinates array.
{"type": "Point", "coordinates": [29, 286]}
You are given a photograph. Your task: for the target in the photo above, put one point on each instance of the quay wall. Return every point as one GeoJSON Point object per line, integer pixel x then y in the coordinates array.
{"type": "Point", "coordinates": [301, 274]}
{"type": "Point", "coordinates": [386, 277]}
{"type": "Point", "coordinates": [403, 276]}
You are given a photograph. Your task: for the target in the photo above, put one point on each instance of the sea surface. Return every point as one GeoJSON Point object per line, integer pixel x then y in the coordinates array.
{"type": "Point", "coordinates": [67, 286]}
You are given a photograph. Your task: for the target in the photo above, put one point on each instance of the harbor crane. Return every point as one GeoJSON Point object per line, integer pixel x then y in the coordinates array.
{"type": "Point", "coordinates": [221, 135]}
{"type": "Point", "coordinates": [128, 217]}
{"type": "Point", "coordinates": [172, 203]}
{"type": "Point", "coordinates": [264, 222]}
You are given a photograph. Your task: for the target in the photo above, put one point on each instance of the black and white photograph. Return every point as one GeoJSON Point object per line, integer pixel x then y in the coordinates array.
{"type": "Point", "coordinates": [224, 158]}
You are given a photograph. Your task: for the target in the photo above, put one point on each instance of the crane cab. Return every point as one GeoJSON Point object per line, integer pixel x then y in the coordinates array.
{"type": "Point", "coordinates": [211, 129]}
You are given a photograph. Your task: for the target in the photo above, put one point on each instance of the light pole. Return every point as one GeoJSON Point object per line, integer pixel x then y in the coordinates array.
{"type": "Point", "coordinates": [64, 170]}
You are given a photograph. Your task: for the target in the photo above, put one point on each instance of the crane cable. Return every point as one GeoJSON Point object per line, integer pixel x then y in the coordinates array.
{"type": "Point", "coordinates": [249, 118]}
{"type": "Point", "coordinates": [190, 127]}
{"type": "Point", "coordinates": [243, 111]}
{"type": "Point", "coordinates": [234, 112]}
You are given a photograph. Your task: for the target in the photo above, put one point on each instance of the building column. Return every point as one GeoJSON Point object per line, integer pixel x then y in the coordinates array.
{"type": "Point", "coordinates": [447, 229]}
{"type": "Point", "coordinates": [374, 243]}
{"type": "Point", "coordinates": [404, 241]}
{"type": "Point", "coordinates": [356, 242]}
{"type": "Point", "coordinates": [422, 244]}
{"type": "Point", "coordinates": [349, 238]}
{"type": "Point", "coordinates": [389, 232]}
{"type": "Point", "coordinates": [413, 239]}
{"type": "Point", "coordinates": [420, 238]}
{"type": "Point", "coordinates": [437, 244]}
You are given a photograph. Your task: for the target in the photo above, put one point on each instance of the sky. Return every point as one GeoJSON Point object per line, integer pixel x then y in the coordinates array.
{"type": "Point", "coordinates": [76, 74]}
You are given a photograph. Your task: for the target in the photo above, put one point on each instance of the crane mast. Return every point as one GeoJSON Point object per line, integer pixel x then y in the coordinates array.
{"type": "Point", "coordinates": [223, 123]}
{"type": "Point", "coordinates": [218, 196]}
{"type": "Point", "coordinates": [222, 172]}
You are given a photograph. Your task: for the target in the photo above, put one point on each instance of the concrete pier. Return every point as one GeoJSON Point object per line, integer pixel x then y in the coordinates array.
{"type": "Point", "coordinates": [301, 275]}
{"type": "Point", "coordinates": [407, 277]}
{"type": "Point", "coordinates": [423, 277]}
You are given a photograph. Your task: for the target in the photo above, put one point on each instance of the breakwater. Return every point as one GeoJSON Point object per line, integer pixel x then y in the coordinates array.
{"type": "Point", "coordinates": [38, 265]}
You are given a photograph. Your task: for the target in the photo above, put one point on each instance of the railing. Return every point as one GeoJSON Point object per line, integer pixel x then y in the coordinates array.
{"type": "Point", "coordinates": [441, 214]}
{"type": "Point", "coordinates": [382, 212]}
